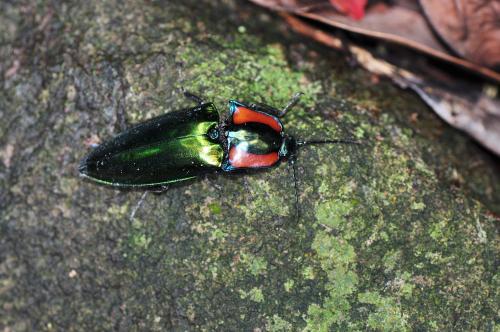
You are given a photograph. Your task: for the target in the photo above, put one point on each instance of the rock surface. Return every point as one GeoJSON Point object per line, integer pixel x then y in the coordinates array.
{"type": "Point", "coordinates": [398, 234]}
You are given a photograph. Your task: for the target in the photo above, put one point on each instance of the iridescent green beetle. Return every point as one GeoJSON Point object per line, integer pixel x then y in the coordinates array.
{"type": "Point", "coordinates": [186, 144]}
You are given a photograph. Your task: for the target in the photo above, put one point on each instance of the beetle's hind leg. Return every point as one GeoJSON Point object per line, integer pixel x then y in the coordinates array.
{"type": "Point", "coordinates": [138, 205]}
{"type": "Point", "coordinates": [156, 191]}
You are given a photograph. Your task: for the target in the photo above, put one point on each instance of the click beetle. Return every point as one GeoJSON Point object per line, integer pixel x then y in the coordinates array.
{"type": "Point", "coordinates": [186, 144]}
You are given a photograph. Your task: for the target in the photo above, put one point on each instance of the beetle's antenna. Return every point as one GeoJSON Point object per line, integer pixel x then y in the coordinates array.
{"type": "Point", "coordinates": [333, 141]}
{"type": "Point", "coordinates": [296, 188]}
{"type": "Point", "coordinates": [291, 161]}
{"type": "Point", "coordinates": [295, 99]}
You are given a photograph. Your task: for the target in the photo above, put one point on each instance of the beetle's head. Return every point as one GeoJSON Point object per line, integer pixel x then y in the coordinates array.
{"type": "Point", "coordinates": [288, 147]}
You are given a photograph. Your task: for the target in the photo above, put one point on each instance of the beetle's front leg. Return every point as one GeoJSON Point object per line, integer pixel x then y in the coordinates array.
{"type": "Point", "coordinates": [295, 99]}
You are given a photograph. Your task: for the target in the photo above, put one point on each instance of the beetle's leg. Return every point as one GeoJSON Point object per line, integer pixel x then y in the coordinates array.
{"type": "Point", "coordinates": [276, 112]}
{"type": "Point", "coordinates": [159, 190]}
{"type": "Point", "coordinates": [193, 97]}
{"type": "Point", "coordinates": [187, 94]}
{"type": "Point", "coordinates": [121, 113]}
{"type": "Point", "coordinates": [138, 205]}
{"type": "Point", "coordinates": [121, 119]}
{"type": "Point", "coordinates": [295, 99]}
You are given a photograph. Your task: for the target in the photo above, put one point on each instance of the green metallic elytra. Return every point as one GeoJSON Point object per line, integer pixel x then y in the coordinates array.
{"type": "Point", "coordinates": [174, 147]}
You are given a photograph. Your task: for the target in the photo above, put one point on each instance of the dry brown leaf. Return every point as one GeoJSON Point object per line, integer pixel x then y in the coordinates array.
{"type": "Point", "coordinates": [461, 104]}
{"type": "Point", "coordinates": [448, 90]}
{"type": "Point", "coordinates": [402, 23]}
{"type": "Point", "coordinates": [470, 27]}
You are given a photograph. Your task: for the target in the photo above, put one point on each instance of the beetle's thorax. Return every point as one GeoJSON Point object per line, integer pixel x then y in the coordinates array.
{"type": "Point", "coordinates": [255, 138]}
{"type": "Point", "coordinates": [252, 145]}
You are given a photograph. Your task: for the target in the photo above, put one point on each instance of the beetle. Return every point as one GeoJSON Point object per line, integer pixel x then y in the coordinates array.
{"type": "Point", "coordinates": [187, 144]}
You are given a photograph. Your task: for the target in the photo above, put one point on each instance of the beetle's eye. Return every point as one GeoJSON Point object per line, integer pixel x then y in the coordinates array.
{"type": "Point", "coordinates": [213, 133]}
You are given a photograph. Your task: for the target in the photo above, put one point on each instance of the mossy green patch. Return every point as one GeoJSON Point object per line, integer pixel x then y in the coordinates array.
{"type": "Point", "coordinates": [333, 214]}
{"type": "Point", "coordinates": [262, 75]}
{"type": "Point", "coordinates": [387, 315]}
{"type": "Point", "coordinates": [278, 324]}
{"type": "Point", "coordinates": [215, 208]}
{"type": "Point", "coordinates": [253, 264]}
{"type": "Point", "coordinates": [255, 294]}
{"type": "Point", "coordinates": [289, 285]}
{"type": "Point", "coordinates": [337, 259]}
{"type": "Point", "coordinates": [360, 246]}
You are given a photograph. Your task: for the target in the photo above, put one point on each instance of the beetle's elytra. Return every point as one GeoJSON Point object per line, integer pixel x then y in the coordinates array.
{"type": "Point", "coordinates": [186, 144]}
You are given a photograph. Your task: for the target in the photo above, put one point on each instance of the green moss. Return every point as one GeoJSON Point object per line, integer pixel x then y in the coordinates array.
{"type": "Point", "coordinates": [140, 241]}
{"type": "Point", "coordinates": [262, 75]}
{"type": "Point", "coordinates": [278, 324]}
{"type": "Point", "coordinates": [215, 208]}
{"type": "Point", "coordinates": [217, 234]}
{"type": "Point", "coordinates": [265, 194]}
{"type": "Point", "coordinates": [255, 294]}
{"type": "Point", "coordinates": [337, 259]}
{"type": "Point", "coordinates": [289, 285]}
{"type": "Point", "coordinates": [254, 265]}
{"type": "Point", "coordinates": [387, 314]}
{"type": "Point", "coordinates": [418, 206]}
{"type": "Point", "coordinates": [333, 214]}
{"type": "Point", "coordinates": [391, 259]}
{"type": "Point", "coordinates": [308, 273]}
{"type": "Point", "coordinates": [395, 207]}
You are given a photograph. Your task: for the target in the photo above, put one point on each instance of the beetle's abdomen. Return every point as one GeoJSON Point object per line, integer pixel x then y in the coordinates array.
{"type": "Point", "coordinates": [167, 161]}
{"type": "Point", "coordinates": [171, 148]}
